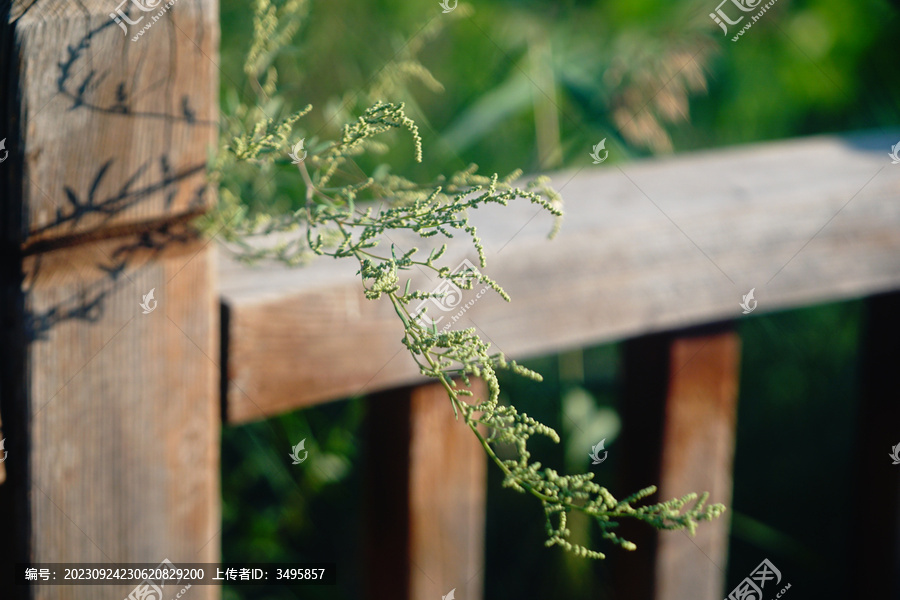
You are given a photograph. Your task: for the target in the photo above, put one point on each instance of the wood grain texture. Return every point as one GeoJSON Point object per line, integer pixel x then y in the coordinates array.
{"type": "Point", "coordinates": [679, 415]}
{"type": "Point", "coordinates": [114, 412]}
{"type": "Point", "coordinates": [108, 132]}
{"type": "Point", "coordinates": [426, 497]}
{"type": "Point", "coordinates": [646, 247]}
{"type": "Point", "coordinates": [697, 455]}
{"type": "Point", "coordinates": [122, 415]}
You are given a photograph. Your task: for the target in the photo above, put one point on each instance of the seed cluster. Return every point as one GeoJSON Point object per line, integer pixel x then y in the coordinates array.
{"type": "Point", "coordinates": [339, 225]}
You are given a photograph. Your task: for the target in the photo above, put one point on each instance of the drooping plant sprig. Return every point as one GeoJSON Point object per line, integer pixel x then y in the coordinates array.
{"type": "Point", "coordinates": [343, 218]}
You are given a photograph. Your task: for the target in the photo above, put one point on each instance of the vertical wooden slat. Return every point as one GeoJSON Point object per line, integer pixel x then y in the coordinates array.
{"type": "Point", "coordinates": [425, 507]}
{"type": "Point", "coordinates": [698, 453]}
{"type": "Point", "coordinates": [387, 428]}
{"type": "Point", "coordinates": [644, 378]}
{"type": "Point", "coordinates": [680, 411]}
{"type": "Point", "coordinates": [112, 415]}
{"type": "Point", "coordinates": [876, 528]}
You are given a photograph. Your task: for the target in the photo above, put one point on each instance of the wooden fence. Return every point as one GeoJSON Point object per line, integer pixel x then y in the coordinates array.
{"type": "Point", "coordinates": [112, 402]}
{"type": "Point", "coordinates": [659, 253]}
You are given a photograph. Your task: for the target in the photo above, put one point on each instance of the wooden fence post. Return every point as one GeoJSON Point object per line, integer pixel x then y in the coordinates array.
{"type": "Point", "coordinates": [108, 394]}
{"type": "Point", "coordinates": [680, 410]}
{"type": "Point", "coordinates": [425, 497]}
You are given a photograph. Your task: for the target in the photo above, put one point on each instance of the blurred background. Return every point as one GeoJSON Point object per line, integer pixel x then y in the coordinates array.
{"type": "Point", "coordinates": [807, 67]}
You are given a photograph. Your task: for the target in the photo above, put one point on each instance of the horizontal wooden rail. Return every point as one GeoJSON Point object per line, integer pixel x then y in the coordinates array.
{"type": "Point", "coordinates": [646, 247]}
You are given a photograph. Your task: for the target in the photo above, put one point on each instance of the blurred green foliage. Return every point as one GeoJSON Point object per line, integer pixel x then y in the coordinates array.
{"type": "Point", "coordinates": [275, 511]}
{"type": "Point", "coordinates": [535, 84]}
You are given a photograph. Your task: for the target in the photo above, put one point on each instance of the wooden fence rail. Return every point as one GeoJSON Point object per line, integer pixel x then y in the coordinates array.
{"type": "Point", "coordinates": [108, 397]}
{"type": "Point", "coordinates": [646, 247]}
{"type": "Point", "coordinates": [649, 251]}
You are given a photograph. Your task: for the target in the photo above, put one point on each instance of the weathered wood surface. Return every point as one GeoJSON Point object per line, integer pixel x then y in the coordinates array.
{"type": "Point", "coordinates": [122, 415]}
{"type": "Point", "coordinates": [112, 415]}
{"type": "Point", "coordinates": [680, 410]}
{"type": "Point", "coordinates": [647, 246]}
{"type": "Point", "coordinates": [426, 491]}
{"type": "Point", "coordinates": [698, 455]}
{"type": "Point", "coordinates": [107, 129]}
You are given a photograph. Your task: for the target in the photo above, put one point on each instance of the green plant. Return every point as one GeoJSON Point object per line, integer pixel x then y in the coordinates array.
{"type": "Point", "coordinates": [340, 216]}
